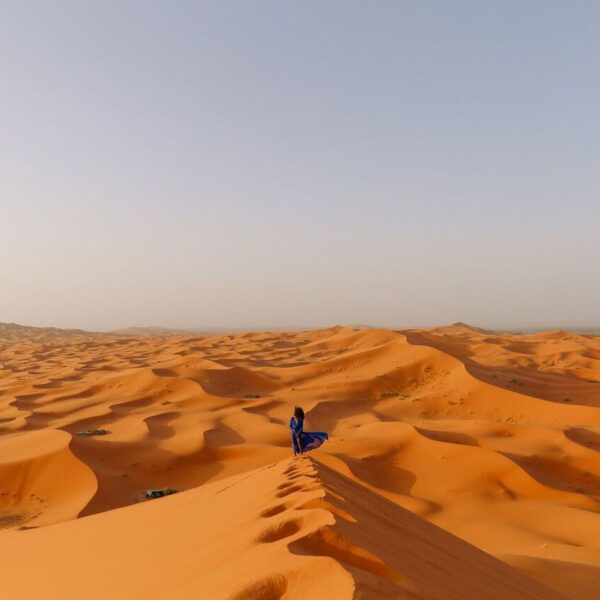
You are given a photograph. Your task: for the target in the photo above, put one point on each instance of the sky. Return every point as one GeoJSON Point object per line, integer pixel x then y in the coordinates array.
{"type": "Point", "coordinates": [261, 164]}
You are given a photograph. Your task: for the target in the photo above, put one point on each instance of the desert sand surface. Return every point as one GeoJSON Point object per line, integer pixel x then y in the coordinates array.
{"type": "Point", "coordinates": [461, 464]}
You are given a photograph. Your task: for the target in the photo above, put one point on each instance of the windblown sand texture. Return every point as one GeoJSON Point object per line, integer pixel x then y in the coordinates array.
{"type": "Point", "coordinates": [450, 448]}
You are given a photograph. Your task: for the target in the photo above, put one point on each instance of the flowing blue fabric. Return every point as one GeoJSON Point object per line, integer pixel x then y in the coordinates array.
{"type": "Point", "coordinates": [308, 439]}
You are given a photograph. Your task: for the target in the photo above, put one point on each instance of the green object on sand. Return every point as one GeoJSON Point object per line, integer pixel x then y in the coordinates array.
{"type": "Point", "coordinates": [160, 493]}
{"type": "Point", "coordinates": [92, 432]}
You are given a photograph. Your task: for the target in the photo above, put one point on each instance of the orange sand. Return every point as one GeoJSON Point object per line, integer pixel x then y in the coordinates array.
{"type": "Point", "coordinates": [491, 438]}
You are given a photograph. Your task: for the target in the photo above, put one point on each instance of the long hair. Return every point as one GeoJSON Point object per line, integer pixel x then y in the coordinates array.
{"type": "Point", "coordinates": [299, 413]}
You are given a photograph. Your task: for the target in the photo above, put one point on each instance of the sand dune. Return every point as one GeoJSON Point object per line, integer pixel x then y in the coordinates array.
{"type": "Point", "coordinates": [554, 365]}
{"type": "Point", "coordinates": [492, 438]}
{"type": "Point", "coordinates": [291, 529]}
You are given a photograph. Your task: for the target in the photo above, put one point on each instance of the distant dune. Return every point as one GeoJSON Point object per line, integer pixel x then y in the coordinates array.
{"type": "Point", "coordinates": [13, 331]}
{"type": "Point", "coordinates": [151, 331]}
{"type": "Point", "coordinates": [462, 463]}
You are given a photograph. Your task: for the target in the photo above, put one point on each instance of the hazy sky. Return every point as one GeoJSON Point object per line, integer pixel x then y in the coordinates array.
{"type": "Point", "coordinates": [256, 164]}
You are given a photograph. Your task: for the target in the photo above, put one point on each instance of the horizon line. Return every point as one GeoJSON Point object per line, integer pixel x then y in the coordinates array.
{"type": "Point", "coordinates": [246, 329]}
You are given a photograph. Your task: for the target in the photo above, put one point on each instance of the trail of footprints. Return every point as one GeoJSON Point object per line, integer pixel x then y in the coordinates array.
{"type": "Point", "coordinates": [274, 587]}
{"type": "Point", "coordinates": [287, 528]}
{"type": "Point", "coordinates": [297, 532]}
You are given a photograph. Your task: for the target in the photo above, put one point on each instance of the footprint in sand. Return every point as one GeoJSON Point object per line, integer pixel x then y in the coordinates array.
{"type": "Point", "coordinates": [292, 477]}
{"type": "Point", "coordinates": [280, 531]}
{"type": "Point", "coordinates": [294, 468]}
{"type": "Point", "coordinates": [268, 588]}
{"type": "Point", "coordinates": [285, 485]}
{"type": "Point", "coordinates": [288, 490]}
{"type": "Point", "coordinates": [273, 510]}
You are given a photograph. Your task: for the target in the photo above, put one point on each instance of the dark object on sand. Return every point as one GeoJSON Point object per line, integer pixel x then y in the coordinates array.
{"type": "Point", "coordinates": [92, 432]}
{"type": "Point", "coordinates": [251, 396]}
{"type": "Point", "coordinates": [160, 493]}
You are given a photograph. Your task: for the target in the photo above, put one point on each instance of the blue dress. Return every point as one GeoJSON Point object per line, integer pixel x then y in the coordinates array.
{"type": "Point", "coordinates": [308, 439]}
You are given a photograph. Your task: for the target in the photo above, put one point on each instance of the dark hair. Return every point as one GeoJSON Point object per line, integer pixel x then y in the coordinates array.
{"type": "Point", "coordinates": [299, 413]}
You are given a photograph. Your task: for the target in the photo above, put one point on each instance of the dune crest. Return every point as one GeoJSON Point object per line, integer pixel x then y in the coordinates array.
{"type": "Point", "coordinates": [289, 529]}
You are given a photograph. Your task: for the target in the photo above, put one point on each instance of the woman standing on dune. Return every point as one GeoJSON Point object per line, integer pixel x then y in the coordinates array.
{"type": "Point", "coordinates": [304, 440]}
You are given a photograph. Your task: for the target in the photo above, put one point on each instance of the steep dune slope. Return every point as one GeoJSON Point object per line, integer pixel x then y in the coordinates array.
{"type": "Point", "coordinates": [293, 529]}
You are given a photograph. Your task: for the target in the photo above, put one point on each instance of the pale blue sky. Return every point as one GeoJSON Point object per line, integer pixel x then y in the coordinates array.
{"type": "Point", "coordinates": [267, 164]}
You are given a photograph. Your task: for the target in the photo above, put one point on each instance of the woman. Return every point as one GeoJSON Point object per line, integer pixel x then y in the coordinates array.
{"type": "Point", "coordinates": [304, 440]}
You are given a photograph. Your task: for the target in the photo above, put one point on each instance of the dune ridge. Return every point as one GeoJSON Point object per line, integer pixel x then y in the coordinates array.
{"type": "Point", "coordinates": [462, 427]}
{"type": "Point", "coordinates": [289, 529]}
{"type": "Point", "coordinates": [553, 365]}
